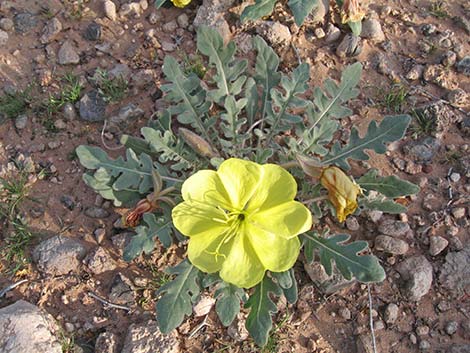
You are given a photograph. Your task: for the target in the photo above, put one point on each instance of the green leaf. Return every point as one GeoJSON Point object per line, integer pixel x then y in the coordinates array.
{"type": "Point", "coordinates": [288, 284]}
{"type": "Point", "coordinates": [390, 186]}
{"type": "Point", "coordinates": [189, 99]}
{"type": "Point", "coordinates": [329, 105]}
{"type": "Point", "coordinates": [260, 9]}
{"type": "Point", "coordinates": [252, 97]}
{"type": "Point", "coordinates": [301, 8]}
{"type": "Point", "coordinates": [391, 128]}
{"type": "Point", "coordinates": [144, 241]}
{"type": "Point", "coordinates": [229, 72]}
{"type": "Point", "coordinates": [159, 3]}
{"type": "Point", "coordinates": [259, 320]}
{"type": "Point", "coordinates": [384, 205]}
{"type": "Point", "coordinates": [133, 175]}
{"type": "Point", "coordinates": [169, 148]}
{"type": "Point", "coordinates": [356, 27]}
{"type": "Point", "coordinates": [177, 296]}
{"type": "Point", "coordinates": [365, 268]}
{"type": "Point", "coordinates": [281, 120]}
{"type": "Point", "coordinates": [231, 124]}
{"type": "Point", "coordinates": [136, 144]}
{"type": "Point", "coordinates": [228, 302]}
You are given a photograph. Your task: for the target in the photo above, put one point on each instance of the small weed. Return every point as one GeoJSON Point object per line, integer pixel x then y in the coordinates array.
{"type": "Point", "coordinates": [159, 278]}
{"type": "Point", "coordinates": [12, 105]}
{"type": "Point", "coordinates": [46, 12]}
{"type": "Point", "coordinates": [67, 342]}
{"type": "Point", "coordinates": [422, 125]}
{"type": "Point", "coordinates": [70, 93]}
{"type": "Point", "coordinates": [111, 89]}
{"type": "Point", "coordinates": [438, 9]}
{"type": "Point", "coordinates": [75, 9]}
{"type": "Point", "coordinates": [194, 64]}
{"type": "Point", "coordinates": [394, 99]}
{"type": "Point", "coordinates": [274, 338]}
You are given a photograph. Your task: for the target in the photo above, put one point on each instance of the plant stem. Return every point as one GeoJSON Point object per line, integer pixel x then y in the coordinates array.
{"type": "Point", "coordinates": [290, 164]}
{"type": "Point", "coordinates": [315, 199]}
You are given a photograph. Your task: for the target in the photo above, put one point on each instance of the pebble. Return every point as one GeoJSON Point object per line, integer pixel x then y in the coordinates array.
{"type": "Point", "coordinates": [457, 97]}
{"type": "Point", "coordinates": [424, 345]}
{"type": "Point", "coordinates": [394, 228]}
{"type": "Point", "coordinates": [371, 29]}
{"type": "Point", "coordinates": [391, 245]}
{"type": "Point", "coordinates": [59, 124]}
{"type": "Point", "coordinates": [454, 274]}
{"type": "Point", "coordinates": [3, 38]}
{"type": "Point", "coordinates": [237, 329]}
{"type": "Point", "coordinates": [96, 212]}
{"type": "Point", "coordinates": [437, 244]}
{"type": "Point", "coordinates": [93, 32]}
{"type": "Point", "coordinates": [391, 313]}
{"type": "Point", "coordinates": [168, 46]}
{"type": "Point", "coordinates": [69, 327]}
{"type": "Point", "coordinates": [122, 290]}
{"type": "Point", "coordinates": [99, 234]}
{"type": "Point", "coordinates": [275, 33]}
{"type": "Point", "coordinates": [345, 313]}
{"type": "Point", "coordinates": [449, 58]}
{"type": "Point", "coordinates": [422, 330]}
{"type": "Point", "coordinates": [183, 21]}
{"type": "Point", "coordinates": [458, 212]}
{"type": "Point", "coordinates": [50, 31]}
{"type": "Point", "coordinates": [107, 342]}
{"type": "Point", "coordinates": [463, 66]}
{"type": "Point", "coordinates": [451, 327]}
{"type": "Point", "coordinates": [428, 29]}
{"type": "Point", "coordinates": [170, 27]}
{"type": "Point", "coordinates": [6, 24]}
{"type": "Point", "coordinates": [92, 107]}
{"type": "Point", "coordinates": [332, 33]}
{"type": "Point", "coordinates": [154, 17]}
{"type": "Point", "coordinates": [455, 177]}
{"type": "Point", "coordinates": [415, 73]}
{"type": "Point", "coordinates": [374, 215]}
{"type": "Point", "coordinates": [52, 146]}
{"type": "Point", "coordinates": [68, 54]}
{"type": "Point", "coordinates": [99, 261]}
{"type": "Point", "coordinates": [110, 10]}
{"type": "Point", "coordinates": [24, 22]}
{"type": "Point", "coordinates": [67, 201]}
{"type": "Point", "coordinates": [352, 223]}
{"type": "Point", "coordinates": [21, 121]}
{"type": "Point", "coordinates": [319, 33]}
{"type": "Point", "coordinates": [349, 46]}
{"type": "Point", "coordinates": [417, 274]}
{"type": "Point", "coordinates": [69, 111]}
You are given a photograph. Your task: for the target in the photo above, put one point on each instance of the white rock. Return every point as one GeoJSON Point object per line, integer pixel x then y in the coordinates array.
{"type": "Point", "coordinates": [204, 306]}
{"type": "Point", "coordinates": [437, 244]}
{"type": "Point", "coordinates": [110, 10]}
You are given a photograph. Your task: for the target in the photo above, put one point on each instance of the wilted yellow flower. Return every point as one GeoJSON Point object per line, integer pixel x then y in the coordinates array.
{"type": "Point", "coordinates": [342, 191]}
{"type": "Point", "coordinates": [180, 3]}
{"type": "Point", "coordinates": [352, 11]}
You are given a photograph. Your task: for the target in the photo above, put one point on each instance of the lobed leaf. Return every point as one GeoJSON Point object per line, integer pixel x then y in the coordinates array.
{"type": "Point", "coordinates": [382, 204]}
{"type": "Point", "coordinates": [391, 128]}
{"type": "Point", "coordinates": [288, 284]}
{"type": "Point", "coordinates": [301, 8]}
{"type": "Point", "coordinates": [365, 268]}
{"type": "Point", "coordinates": [260, 9]}
{"type": "Point", "coordinates": [177, 296]}
{"type": "Point", "coordinates": [228, 302]}
{"type": "Point", "coordinates": [390, 186]}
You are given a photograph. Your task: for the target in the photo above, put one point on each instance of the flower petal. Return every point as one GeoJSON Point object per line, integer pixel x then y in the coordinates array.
{"type": "Point", "coordinates": [242, 266]}
{"type": "Point", "coordinates": [202, 251]}
{"type": "Point", "coordinates": [241, 179]}
{"type": "Point", "coordinates": [205, 186]}
{"type": "Point", "coordinates": [276, 253]}
{"type": "Point", "coordinates": [288, 219]}
{"type": "Point", "coordinates": [276, 186]}
{"type": "Point", "coordinates": [194, 218]}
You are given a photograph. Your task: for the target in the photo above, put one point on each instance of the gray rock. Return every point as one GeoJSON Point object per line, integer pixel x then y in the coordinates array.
{"type": "Point", "coordinates": [21, 121]}
{"type": "Point", "coordinates": [50, 31]}
{"type": "Point", "coordinates": [438, 116]}
{"type": "Point", "coordinates": [168, 46]}
{"type": "Point", "coordinates": [107, 342]}
{"type": "Point", "coordinates": [275, 33]}
{"type": "Point", "coordinates": [451, 327]}
{"type": "Point", "coordinates": [92, 107]}
{"type": "Point", "coordinates": [463, 66]}
{"type": "Point", "coordinates": [352, 223]}
{"type": "Point", "coordinates": [416, 273]}
{"type": "Point", "coordinates": [345, 313]}
{"type": "Point", "coordinates": [458, 212]}
{"type": "Point", "coordinates": [130, 9]}
{"type": "Point", "coordinates": [428, 29]}
{"type": "Point", "coordinates": [3, 38]}
{"type": "Point", "coordinates": [122, 291]}
{"type": "Point", "coordinates": [183, 21]}
{"type": "Point", "coordinates": [371, 29]}
{"type": "Point", "coordinates": [109, 9]}
{"type": "Point", "coordinates": [391, 313]}
{"type": "Point", "coordinates": [69, 111]}
{"type": "Point", "coordinates": [332, 33]}
{"type": "Point", "coordinates": [96, 212]}
{"type": "Point", "coordinates": [24, 22]}
{"type": "Point", "coordinates": [455, 273]}
{"type": "Point", "coordinates": [99, 261]}
{"type": "Point", "coordinates": [170, 27]}
{"type": "Point", "coordinates": [327, 284]}
{"type": "Point", "coordinates": [415, 73]}
{"type": "Point", "coordinates": [58, 255]}
{"type": "Point", "coordinates": [424, 345]}
{"type": "Point", "coordinates": [146, 337]}
{"type": "Point", "coordinates": [394, 228]}
{"type": "Point", "coordinates": [391, 245]}
{"type": "Point", "coordinates": [349, 46]}
{"type": "Point", "coordinates": [437, 244]}
{"type": "Point", "coordinates": [92, 32]}
{"type": "Point", "coordinates": [422, 150]}
{"type": "Point", "coordinates": [26, 328]}
{"type": "Point", "coordinates": [120, 71]}
{"type": "Point", "coordinates": [6, 24]}
{"type": "Point", "coordinates": [449, 58]}
{"type": "Point", "coordinates": [67, 54]}
{"type": "Point", "coordinates": [211, 13]}
{"type": "Point", "coordinates": [374, 215]}
{"type": "Point", "coordinates": [459, 348]}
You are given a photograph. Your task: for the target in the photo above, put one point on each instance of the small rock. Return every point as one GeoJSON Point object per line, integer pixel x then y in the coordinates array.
{"type": "Point", "coordinates": [24, 22]}
{"type": "Point", "coordinates": [99, 261]}
{"type": "Point", "coordinates": [428, 29]}
{"type": "Point", "coordinates": [391, 313]}
{"type": "Point", "coordinates": [168, 46]}
{"type": "Point", "coordinates": [99, 234]}
{"type": "Point", "coordinates": [318, 14]}
{"type": "Point", "coordinates": [327, 284]}
{"type": "Point", "coordinates": [371, 29]}
{"type": "Point", "coordinates": [422, 150]}
{"type": "Point", "coordinates": [69, 327]}
{"type": "Point", "coordinates": [3, 38]}
{"type": "Point", "coordinates": [349, 46]}
{"type": "Point", "coordinates": [345, 313]}
{"type": "Point", "coordinates": [275, 33]}
{"type": "Point", "coordinates": [449, 58]}
{"type": "Point", "coordinates": [126, 115]}
{"type": "Point", "coordinates": [463, 66]}
{"type": "Point", "coordinates": [455, 177]}
{"type": "Point", "coordinates": [21, 121]}
{"type": "Point", "coordinates": [237, 329]}
{"type": "Point", "coordinates": [352, 223]}
{"type": "Point", "coordinates": [455, 273]}
{"type": "Point", "coordinates": [96, 212]}
{"type": "Point", "coordinates": [437, 244]}
{"type": "Point", "coordinates": [67, 54]}
{"type": "Point", "coordinates": [92, 107]}
{"type": "Point", "coordinates": [458, 97]}
{"type": "Point", "coordinates": [58, 255]}
{"type": "Point", "coordinates": [170, 27]}
{"type": "Point", "coordinates": [204, 306]}
{"type": "Point", "coordinates": [120, 71]}
{"type": "Point", "coordinates": [67, 201]}
{"type": "Point", "coordinates": [154, 17]}
{"type": "Point", "coordinates": [50, 31]}
{"type": "Point", "coordinates": [459, 348]}
{"type": "Point", "coordinates": [415, 73]}
{"type": "Point", "coordinates": [391, 245]}
{"type": "Point", "coordinates": [122, 291]}
{"type": "Point", "coordinates": [6, 24]}
{"type": "Point", "coordinates": [211, 13]}
{"type": "Point", "coordinates": [413, 338]}
{"type": "Point", "coordinates": [458, 212]}
{"type": "Point", "coordinates": [417, 274]}
{"type": "Point", "coordinates": [130, 9]}
{"type": "Point", "coordinates": [422, 330]}
{"type": "Point", "coordinates": [107, 342]}
{"type": "Point", "coordinates": [110, 10]}
{"type": "Point", "coordinates": [451, 327]}
{"type": "Point", "coordinates": [319, 33]}
{"type": "Point", "coordinates": [69, 111]}
{"type": "Point", "coordinates": [332, 33]}
{"type": "Point", "coordinates": [183, 21]}
{"type": "Point", "coordinates": [59, 124]}
{"type": "Point", "coordinates": [374, 215]}
{"type": "Point", "coordinates": [93, 32]}
{"type": "Point", "coordinates": [26, 328]}
{"type": "Point", "coordinates": [424, 345]}
{"type": "Point", "coordinates": [394, 228]}
{"type": "Point", "coordinates": [54, 145]}
{"type": "Point", "coordinates": [146, 337]}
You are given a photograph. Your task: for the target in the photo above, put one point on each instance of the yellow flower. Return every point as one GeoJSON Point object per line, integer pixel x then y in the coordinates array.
{"type": "Point", "coordinates": [342, 191]}
{"type": "Point", "coordinates": [242, 220]}
{"type": "Point", "coordinates": [180, 3]}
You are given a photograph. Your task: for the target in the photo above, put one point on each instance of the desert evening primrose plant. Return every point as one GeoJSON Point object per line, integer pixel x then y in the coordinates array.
{"type": "Point", "coordinates": [243, 182]}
